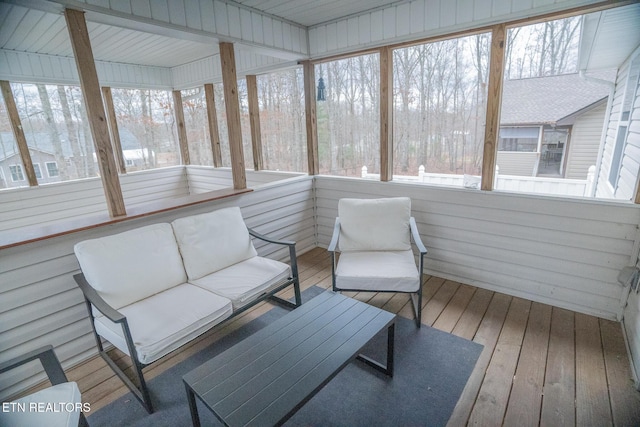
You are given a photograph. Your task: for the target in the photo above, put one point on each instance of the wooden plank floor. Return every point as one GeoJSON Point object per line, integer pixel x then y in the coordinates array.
{"type": "Point", "coordinates": [540, 365]}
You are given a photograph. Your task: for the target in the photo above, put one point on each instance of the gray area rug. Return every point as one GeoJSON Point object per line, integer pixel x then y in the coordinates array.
{"type": "Point", "coordinates": [430, 372]}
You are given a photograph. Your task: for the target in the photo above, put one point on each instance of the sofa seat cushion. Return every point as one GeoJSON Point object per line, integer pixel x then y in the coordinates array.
{"type": "Point", "coordinates": [65, 410]}
{"type": "Point", "coordinates": [165, 321]}
{"type": "Point", "coordinates": [130, 266]}
{"type": "Point", "coordinates": [371, 270]}
{"type": "Point", "coordinates": [246, 280]}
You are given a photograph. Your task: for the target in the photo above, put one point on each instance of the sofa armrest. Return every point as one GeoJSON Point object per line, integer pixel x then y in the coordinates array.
{"type": "Point", "coordinates": [270, 240]}
{"type": "Point", "coordinates": [48, 359]}
{"type": "Point", "coordinates": [96, 300]}
{"type": "Point", "coordinates": [336, 235]}
{"type": "Point", "coordinates": [292, 250]}
{"type": "Point", "coordinates": [416, 236]}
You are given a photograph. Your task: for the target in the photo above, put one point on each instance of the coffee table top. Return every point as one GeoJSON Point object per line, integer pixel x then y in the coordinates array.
{"type": "Point", "coordinates": [267, 377]}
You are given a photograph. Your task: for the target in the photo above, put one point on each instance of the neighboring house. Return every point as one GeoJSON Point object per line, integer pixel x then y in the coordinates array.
{"type": "Point", "coordinates": [552, 126]}
{"type": "Point", "coordinates": [48, 168]}
{"type": "Point", "coordinates": [12, 173]}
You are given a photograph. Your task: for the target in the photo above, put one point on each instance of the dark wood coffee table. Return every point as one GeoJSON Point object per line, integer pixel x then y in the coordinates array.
{"type": "Point", "coordinates": [264, 379]}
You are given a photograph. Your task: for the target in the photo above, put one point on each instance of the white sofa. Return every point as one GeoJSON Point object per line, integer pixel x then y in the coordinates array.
{"type": "Point", "coordinates": [154, 288]}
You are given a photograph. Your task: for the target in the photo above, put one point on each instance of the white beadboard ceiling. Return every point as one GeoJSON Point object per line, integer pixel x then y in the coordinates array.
{"type": "Point", "coordinates": [38, 30]}
{"type": "Point", "coordinates": [314, 12]}
{"type": "Point", "coordinates": [38, 26]}
{"type": "Point", "coordinates": [30, 30]}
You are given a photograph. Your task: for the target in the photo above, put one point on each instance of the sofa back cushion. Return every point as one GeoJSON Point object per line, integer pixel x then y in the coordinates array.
{"type": "Point", "coordinates": [374, 224]}
{"type": "Point", "coordinates": [212, 241]}
{"type": "Point", "coordinates": [131, 266]}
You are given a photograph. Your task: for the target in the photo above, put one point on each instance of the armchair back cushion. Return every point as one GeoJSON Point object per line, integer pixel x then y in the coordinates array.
{"type": "Point", "coordinates": [375, 224]}
{"type": "Point", "coordinates": [131, 266]}
{"type": "Point", "coordinates": [212, 241]}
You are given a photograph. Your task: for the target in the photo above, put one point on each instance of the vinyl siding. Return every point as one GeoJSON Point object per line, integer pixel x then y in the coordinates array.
{"type": "Point", "coordinates": [585, 142]}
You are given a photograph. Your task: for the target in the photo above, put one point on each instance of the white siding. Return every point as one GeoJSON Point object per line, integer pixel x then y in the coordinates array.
{"type": "Point", "coordinates": [585, 142]}
{"type": "Point", "coordinates": [40, 303]}
{"type": "Point", "coordinates": [203, 178]}
{"type": "Point", "coordinates": [632, 329]}
{"type": "Point", "coordinates": [403, 21]}
{"type": "Point", "coordinates": [631, 153]}
{"type": "Point", "coordinates": [517, 163]}
{"type": "Point", "coordinates": [567, 253]}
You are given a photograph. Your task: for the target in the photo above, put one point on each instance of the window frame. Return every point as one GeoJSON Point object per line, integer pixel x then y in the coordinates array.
{"type": "Point", "coordinates": [18, 167]}
{"type": "Point", "coordinates": [49, 169]}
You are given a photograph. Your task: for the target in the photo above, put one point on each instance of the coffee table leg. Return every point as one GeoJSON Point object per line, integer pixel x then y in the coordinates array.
{"type": "Point", "coordinates": [391, 332]}
{"type": "Point", "coordinates": [388, 368]}
{"type": "Point", "coordinates": [191, 397]}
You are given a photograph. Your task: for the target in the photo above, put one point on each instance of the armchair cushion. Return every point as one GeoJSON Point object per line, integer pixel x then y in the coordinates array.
{"type": "Point", "coordinates": [212, 241]}
{"type": "Point", "coordinates": [377, 271]}
{"type": "Point", "coordinates": [375, 224]}
{"type": "Point", "coordinates": [65, 392]}
{"type": "Point", "coordinates": [131, 266]}
{"type": "Point", "coordinates": [163, 322]}
{"type": "Point", "coordinates": [245, 280]}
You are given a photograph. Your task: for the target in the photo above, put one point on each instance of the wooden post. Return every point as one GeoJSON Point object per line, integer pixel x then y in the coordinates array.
{"type": "Point", "coordinates": [113, 128]}
{"type": "Point", "coordinates": [254, 120]}
{"type": "Point", "coordinates": [494, 101]}
{"type": "Point", "coordinates": [212, 116]}
{"type": "Point", "coordinates": [386, 114]}
{"type": "Point", "coordinates": [178, 110]}
{"type": "Point", "coordinates": [18, 134]}
{"type": "Point", "coordinates": [311, 117]}
{"type": "Point", "coordinates": [83, 54]}
{"type": "Point", "coordinates": [232, 105]}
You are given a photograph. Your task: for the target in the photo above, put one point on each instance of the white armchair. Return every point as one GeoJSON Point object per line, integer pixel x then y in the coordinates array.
{"type": "Point", "coordinates": [56, 406]}
{"type": "Point", "coordinates": [374, 238]}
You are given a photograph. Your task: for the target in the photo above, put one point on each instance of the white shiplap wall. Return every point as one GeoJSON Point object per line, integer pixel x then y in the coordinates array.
{"type": "Point", "coordinates": [40, 303]}
{"type": "Point", "coordinates": [563, 252]}
{"type": "Point", "coordinates": [411, 20]}
{"type": "Point", "coordinates": [52, 203]}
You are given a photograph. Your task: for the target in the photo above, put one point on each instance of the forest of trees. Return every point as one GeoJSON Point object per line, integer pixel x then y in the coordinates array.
{"type": "Point", "coordinates": [439, 97]}
{"type": "Point", "coordinates": [440, 92]}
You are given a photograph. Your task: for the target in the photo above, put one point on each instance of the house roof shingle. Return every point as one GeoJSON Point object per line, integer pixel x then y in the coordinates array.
{"type": "Point", "coordinates": [546, 100]}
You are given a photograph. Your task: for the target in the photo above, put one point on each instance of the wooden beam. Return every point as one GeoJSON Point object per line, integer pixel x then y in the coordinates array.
{"type": "Point", "coordinates": [113, 128]}
{"type": "Point", "coordinates": [18, 134]}
{"type": "Point", "coordinates": [83, 54]}
{"type": "Point", "coordinates": [212, 116]}
{"type": "Point", "coordinates": [311, 117]}
{"type": "Point", "coordinates": [386, 114]}
{"type": "Point", "coordinates": [232, 105]}
{"type": "Point", "coordinates": [178, 110]}
{"type": "Point", "coordinates": [254, 121]}
{"type": "Point", "coordinates": [494, 101]}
